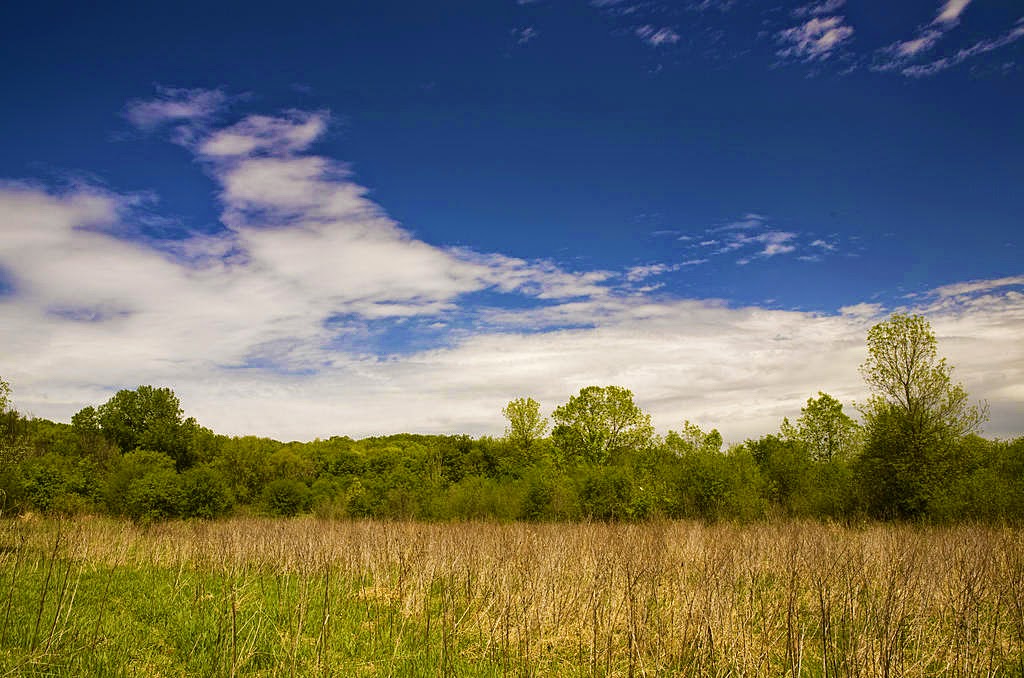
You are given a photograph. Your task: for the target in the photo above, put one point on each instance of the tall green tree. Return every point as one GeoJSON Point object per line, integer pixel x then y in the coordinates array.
{"type": "Point", "coordinates": [525, 423]}
{"type": "Point", "coordinates": [905, 373]}
{"type": "Point", "coordinates": [601, 422]}
{"type": "Point", "coordinates": [147, 418]}
{"type": "Point", "coordinates": [827, 431]}
{"type": "Point", "coordinates": [915, 419]}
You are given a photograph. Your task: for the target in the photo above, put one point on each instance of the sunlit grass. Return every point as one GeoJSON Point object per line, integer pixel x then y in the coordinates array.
{"type": "Point", "coordinates": [314, 597]}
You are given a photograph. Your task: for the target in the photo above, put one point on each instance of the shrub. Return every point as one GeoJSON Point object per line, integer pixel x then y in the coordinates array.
{"type": "Point", "coordinates": [157, 495]}
{"type": "Point", "coordinates": [286, 497]}
{"type": "Point", "coordinates": [205, 493]}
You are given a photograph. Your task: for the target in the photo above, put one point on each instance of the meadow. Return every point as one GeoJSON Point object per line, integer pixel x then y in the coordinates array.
{"type": "Point", "coordinates": [313, 597]}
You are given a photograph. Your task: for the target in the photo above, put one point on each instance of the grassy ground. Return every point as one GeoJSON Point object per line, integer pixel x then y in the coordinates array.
{"type": "Point", "coordinates": [313, 598]}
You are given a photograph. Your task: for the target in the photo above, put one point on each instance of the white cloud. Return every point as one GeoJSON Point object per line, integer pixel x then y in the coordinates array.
{"type": "Point", "coordinates": [911, 48]}
{"type": "Point", "coordinates": [617, 7]}
{"type": "Point", "coordinates": [815, 39]}
{"type": "Point", "coordinates": [638, 273]}
{"type": "Point", "coordinates": [259, 329]}
{"type": "Point", "coordinates": [303, 245]}
{"type": "Point", "coordinates": [705, 5]}
{"type": "Point", "coordinates": [175, 105]}
{"type": "Point", "coordinates": [951, 11]}
{"type": "Point", "coordinates": [656, 37]}
{"type": "Point", "coordinates": [897, 54]}
{"type": "Point", "coordinates": [525, 35]}
{"type": "Point", "coordinates": [290, 133]}
{"type": "Point", "coordinates": [863, 310]}
{"type": "Point", "coordinates": [751, 237]}
{"type": "Point", "coordinates": [210, 331]}
{"type": "Point", "coordinates": [977, 49]}
{"type": "Point", "coordinates": [965, 288]}
{"type": "Point", "coordinates": [775, 243]}
{"type": "Point", "coordinates": [900, 56]}
{"type": "Point", "coordinates": [818, 8]}
{"type": "Point", "coordinates": [748, 222]}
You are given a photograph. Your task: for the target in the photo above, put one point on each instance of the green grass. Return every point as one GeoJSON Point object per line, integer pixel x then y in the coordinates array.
{"type": "Point", "coordinates": [95, 597]}
{"type": "Point", "coordinates": [203, 621]}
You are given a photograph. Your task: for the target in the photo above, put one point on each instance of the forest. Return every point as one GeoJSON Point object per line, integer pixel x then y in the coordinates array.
{"type": "Point", "coordinates": [914, 453]}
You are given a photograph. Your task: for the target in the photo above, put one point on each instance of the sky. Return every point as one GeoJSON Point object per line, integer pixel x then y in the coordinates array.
{"type": "Point", "coordinates": [351, 218]}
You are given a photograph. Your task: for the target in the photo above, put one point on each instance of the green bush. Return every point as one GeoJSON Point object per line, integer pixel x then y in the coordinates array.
{"type": "Point", "coordinates": [286, 497]}
{"type": "Point", "coordinates": [205, 493]}
{"type": "Point", "coordinates": [126, 470]}
{"type": "Point", "coordinates": [157, 495]}
{"type": "Point", "coordinates": [56, 484]}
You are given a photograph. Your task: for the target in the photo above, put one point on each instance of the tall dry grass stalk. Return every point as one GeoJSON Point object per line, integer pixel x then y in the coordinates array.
{"type": "Point", "coordinates": [681, 599]}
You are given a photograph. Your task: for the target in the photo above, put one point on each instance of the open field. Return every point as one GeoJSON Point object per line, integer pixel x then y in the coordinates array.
{"type": "Point", "coordinates": [312, 597]}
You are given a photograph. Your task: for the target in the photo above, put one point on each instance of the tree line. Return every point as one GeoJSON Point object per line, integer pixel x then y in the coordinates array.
{"type": "Point", "coordinates": [915, 454]}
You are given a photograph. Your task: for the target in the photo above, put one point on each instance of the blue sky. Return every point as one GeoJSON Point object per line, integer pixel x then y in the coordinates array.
{"type": "Point", "coordinates": [358, 218]}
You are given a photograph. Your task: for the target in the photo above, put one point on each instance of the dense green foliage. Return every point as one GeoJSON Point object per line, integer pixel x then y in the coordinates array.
{"type": "Point", "coordinates": [916, 456]}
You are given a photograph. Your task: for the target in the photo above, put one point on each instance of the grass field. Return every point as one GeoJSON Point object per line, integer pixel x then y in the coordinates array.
{"type": "Point", "coordinates": [308, 597]}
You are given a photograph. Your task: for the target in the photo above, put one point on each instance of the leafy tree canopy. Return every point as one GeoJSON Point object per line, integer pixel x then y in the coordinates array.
{"type": "Point", "coordinates": [692, 439]}
{"type": "Point", "coordinates": [599, 422]}
{"type": "Point", "coordinates": [525, 423]}
{"type": "Point", "coordinates": [147, 418]}
{"type": "Point", "coordinates": [905, 374]}
{"type": "Point", "coordinates": [915, 420]}
{"type": "Point", "coordinates": [824, 428]}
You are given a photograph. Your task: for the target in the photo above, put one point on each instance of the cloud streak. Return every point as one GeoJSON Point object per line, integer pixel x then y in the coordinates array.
{"type": "Point", "coordinates": [656, 37]}
{"type": "Point", "coordinates": [815, 40]}
{"type": "Point", "coordinates": [978, 48]}
{"type": "Point", "coordinates": [901, 56]}
{"type": "Point", "coordinates": [175, 105]}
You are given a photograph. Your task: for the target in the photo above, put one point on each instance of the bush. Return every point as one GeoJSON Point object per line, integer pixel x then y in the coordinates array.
{"type": "Point", "coordinates": [205, 493]}
{"type": "Point", "coordinates": [607, 493]}
{"type": "Point", "coordinates": [128, 469]}
{"type": "Point", "coordinates": [286, 497]}
{"type": "Point", "coordinates": [157, 495]}
{"type": "Point", "coordinates": [56, 484]}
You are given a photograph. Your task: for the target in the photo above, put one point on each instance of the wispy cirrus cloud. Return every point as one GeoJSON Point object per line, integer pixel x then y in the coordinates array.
{"type": "Point", "coordinates": [705, 5]}
{"type": "Point", "coordinates": [643, 272]}
{"type": "Point", "coordinates": [656, 37]}
{"type": "Point", "coordinates": [905, 56]}
{"type": "Point", "coordinates": [818, 8]}
{"type": "Point", "coordinates": [978, 48]}
{"type": "Point", "coordinates": [816, 39]}
{"type": "Point", "coordinates": [948, 16]}
{"type": "Point", "coordinates": [974, 286]}
{"type": "Point", "coordinates": [524, 35]}
{"type": "Point", "coordinates": [951, 11]}
{"type": "Point", "coordinates": [174, 105]}
{"type": "Point", "coordinates": [752, 237]}
{"type": "Point", "coordinates": [742, 241]}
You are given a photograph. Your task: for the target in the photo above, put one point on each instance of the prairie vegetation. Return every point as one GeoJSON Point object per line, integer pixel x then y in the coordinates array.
{"type": "Point", "coordinates": [93, 596]}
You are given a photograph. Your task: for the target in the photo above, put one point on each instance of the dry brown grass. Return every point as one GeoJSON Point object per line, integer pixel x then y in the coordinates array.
{"type": "Point", "coordinates": [787, 598]}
